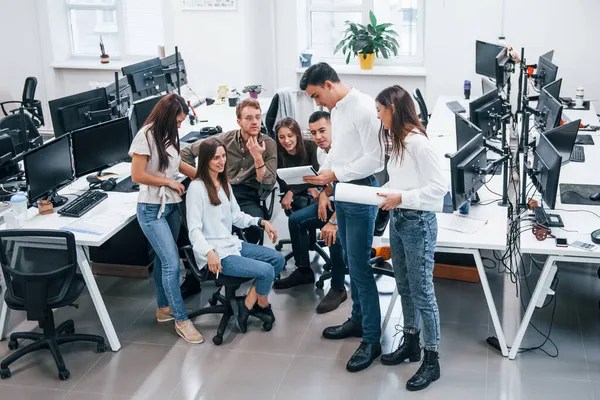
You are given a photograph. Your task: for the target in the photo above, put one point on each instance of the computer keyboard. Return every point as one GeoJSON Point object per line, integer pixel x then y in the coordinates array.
{"type": "Point", "coordinates": [83, 203]}
{"type": "Point", "coordinates": [540, 216]}
{"type": "Point", "coordinates": [578, 154]}
{"type": "Point", "coordinates": [455, 107]}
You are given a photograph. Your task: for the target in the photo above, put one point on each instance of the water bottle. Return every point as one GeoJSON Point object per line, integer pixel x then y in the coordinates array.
{"type": "Point", "coordinates": [467, 88]}
{"type": "Point", "coordinates": [464, 209]}
{"type": "Point", "coordinates": [19, 209]}
{"type": "Point", "coordinates": [579, 98]}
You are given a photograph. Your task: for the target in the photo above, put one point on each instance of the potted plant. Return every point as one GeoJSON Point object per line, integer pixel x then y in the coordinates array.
{"type": "Point", "coordinates": [368, 41]}
{"type": "Point", "coordinates": [104, 58]}
{"type": "Point", "coordinates": [254, 90]}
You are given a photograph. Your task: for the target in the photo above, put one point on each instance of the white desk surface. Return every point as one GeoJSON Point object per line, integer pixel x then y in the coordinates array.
{"type": "Point", "coordinates": [442, 121]}
{"type": "Point", "coordinates": [122, 203]}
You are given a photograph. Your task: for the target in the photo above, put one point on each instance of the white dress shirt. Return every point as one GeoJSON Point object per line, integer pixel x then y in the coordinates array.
{"type": "Point", "coordinates": [209, 226]}
{"type": "Point", "coordinates": [321, 156]}
{"type": "Point", "coordinates": [419, 177]}
{"type": "Point", "coordinates": [355, 149]}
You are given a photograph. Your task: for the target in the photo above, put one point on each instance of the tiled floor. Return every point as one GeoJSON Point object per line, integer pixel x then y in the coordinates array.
{"type": "Point", "coordinates": [294, 362]}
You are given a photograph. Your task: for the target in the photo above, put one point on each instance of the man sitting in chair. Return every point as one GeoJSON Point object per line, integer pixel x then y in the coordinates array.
{"type": "Point", "coordinates": [317, 216]}
{"type": "Point", "coordinates": [252, 162]}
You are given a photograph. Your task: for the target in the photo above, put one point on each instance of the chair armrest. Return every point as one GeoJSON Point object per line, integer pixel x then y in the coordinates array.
{"type": "Point", "coordinates": [200, 273]}
{"type": "Point", "coordinates": [8, 102]}
{"type": "Point", "coordinates": [268, 208]}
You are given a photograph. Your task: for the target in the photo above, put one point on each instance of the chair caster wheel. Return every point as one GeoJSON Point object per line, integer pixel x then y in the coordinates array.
{"type": "Point", "coordinates": [64, 375]}
{"type": "Point", "coordinates": [70, 331]}
{"type": "Point", "coordinates": [101, 348]}
{"type": "Point", "coordinates": [5, 373]}
{"type": "Point", "coordinates": [320, 284]}
{"type": "Point", "coordinates": [218, 340]}
{"type": "Point", "coordinates": [278, 247]}
{"type": "Point", "coordinates": [212, 301]}
{"type": "Point", "coordinates": [13, 344]}
{"type": "Point", "coordinates": [267, 327]}
{"type": "Point", "coordinates": [327, 267]}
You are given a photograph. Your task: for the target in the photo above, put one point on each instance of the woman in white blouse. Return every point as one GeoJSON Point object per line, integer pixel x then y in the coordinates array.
{"type": "Point", "coordinates": [155, 166]}
{"type": "Point", "coordinates": [212, 211]}
{"type": "Point", "coordinates": [417, 189]}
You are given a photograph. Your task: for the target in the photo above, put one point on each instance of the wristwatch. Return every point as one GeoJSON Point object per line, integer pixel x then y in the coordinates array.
{"type": "Point", "coordinates": [333, 221]}
{"type": "Point", "coordinates": [260, 220]}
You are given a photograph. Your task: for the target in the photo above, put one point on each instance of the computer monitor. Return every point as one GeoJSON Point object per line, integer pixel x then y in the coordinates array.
{"type": "Point", "coordinates": [465, 131]}
{"type": "Point", "coordinates": [479, 102]}
{"type": "Point", "coordinates": [146, 78]}
{"type": "Point", "coordinates": [546, 171]}
{"type": "Point", "coordinates": [548, 56]}
{"type": "Point", "coordinates": [563, 138]}
{"type": "Point", "coordinates": [549, 112]}
{"type": "Point", "coordinates": [141, 112]}
{"type": "Point", "coordinates": [487, 85]}
{"type": "Point", "coordinates": [488, 118]}
{"type": "Point", "coordinates": [485, 58]}
{"type": "Point", "coordinates": [466, 167]}
{"type": "Point", "coordinates": [100, 146]}
{"type": "Point", "coordinates": [170, 70]}
{"type": "Point", "coordinates": [79, 110]}
{"type": "Point", "coordinates": [9, 163]}
{"type": "Point", "coordinates": [126, 97]}
{"type": "Point", "coordinates": [47, 169]}
{"type": "Point", "coordinates": [553, 88]}
{"type": "Point", "coordinates": [546, 72]}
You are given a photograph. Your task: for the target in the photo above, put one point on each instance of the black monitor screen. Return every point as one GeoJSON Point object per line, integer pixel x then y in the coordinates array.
{"type": "Point", "coordinates": [488, 118]}
{"type": "Point", "coordinates": [48, 167]}
{"type": "Point", "coordinates": [146, 75]}
{"type": "Point", "coordinates": [142, 110]}
{"type": "Point", "coordinates": [546, 174]}
{"type": "Point", "coordinates": [461, 190]}
{"type": "Point", "coordinates": [78, 111]}
{"type": "Point", "coordinates": [485, 58]}
{"type": "Point", "coordinates": [465, 131]}
{"type": "Point", "coordinates": [563, 138]}
{"type": "Point", "coordinates": [100, 146]}
{"type": "Point", "coordinates": [169, 64]}
{"type": "Point", "coordinates": [549, 112]}
{"type": "Point", "coordinates": [480, 102]}
{"type": "Point", "coordinates": [546, 72]}
{"type": "Point", "coordinates": [553, 88]}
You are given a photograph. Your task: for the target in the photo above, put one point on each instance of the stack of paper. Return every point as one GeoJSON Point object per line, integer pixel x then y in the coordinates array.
{"type": "Point", "coordinates": [460, 223]}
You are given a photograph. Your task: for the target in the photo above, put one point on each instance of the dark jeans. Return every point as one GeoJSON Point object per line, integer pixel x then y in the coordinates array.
{"type": "Point", "coordinates": [356, 224]}
{"type": "Point", "coordinates": [300, 223]}
{"type": "Point", "coordinates": [249, 202]}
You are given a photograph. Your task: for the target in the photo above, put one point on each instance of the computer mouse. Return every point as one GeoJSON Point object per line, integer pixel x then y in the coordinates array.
{"type": "Point", "coordinates": [578, 141]}
{"type": "Point", "coordinates": [595, 196]}
{"type": "Point", "coordinates": [135, 186]}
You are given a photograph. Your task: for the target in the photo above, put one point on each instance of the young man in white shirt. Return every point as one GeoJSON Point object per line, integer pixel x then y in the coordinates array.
{"type": "Point", "coordinates": [317, 216]}
{"type": "Point", "coordinates": [355, 156]}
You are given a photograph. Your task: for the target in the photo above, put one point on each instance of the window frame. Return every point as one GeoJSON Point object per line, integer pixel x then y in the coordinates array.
{"type": "Point", "coordinates": [365, 7]}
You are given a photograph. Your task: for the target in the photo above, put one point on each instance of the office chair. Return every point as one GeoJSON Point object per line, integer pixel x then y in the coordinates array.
{"type": "Point", "coordinates": [218, 304]}
{"type": "Point", "coordinates": [40, 271]}
{"type": "Point", "coordinates": [267, 202]}
{"type": "Point", "coordinates": [14, 123]}
{"type": "Point", "coordinates": [271, 116]}
{"type": "Point", "coordinates": [28, 102]}
{"type": "Point", "coordinates": [423, 115]}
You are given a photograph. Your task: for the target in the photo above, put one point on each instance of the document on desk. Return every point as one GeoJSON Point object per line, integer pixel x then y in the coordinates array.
{"type": "Point", "coordinates": [294, 175]}
{"type": "Point", "coordinates": [360, 194]}
{"type": "Point", "coordinates": [98, 224]}
{"type": "Point", "coordinates": [460, 223]}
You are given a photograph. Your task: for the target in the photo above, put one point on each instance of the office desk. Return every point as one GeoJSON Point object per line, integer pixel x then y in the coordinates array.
{"type": "Point", "coordinates": [492, 236]}
{"type": "Point", "coordinates": [120, 208]}
{"type": "Point", "coordinates": [578, 221]}
{"type": "Point", "coordinates": [442, 122]}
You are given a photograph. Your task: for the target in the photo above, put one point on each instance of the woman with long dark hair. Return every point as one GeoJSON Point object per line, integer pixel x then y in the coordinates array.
{"type": "Point", "coordinates": [294, 151]}
{"type": "Point", "coordinates": [212, 211]}
{"type": "Point", "coordinates": [417, 190]}
{"type": "Point", "coordinates": [155, 166]}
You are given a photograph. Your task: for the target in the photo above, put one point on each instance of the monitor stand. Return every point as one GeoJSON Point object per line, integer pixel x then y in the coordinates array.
{"type": "Point", "coordinates": [56, 199]}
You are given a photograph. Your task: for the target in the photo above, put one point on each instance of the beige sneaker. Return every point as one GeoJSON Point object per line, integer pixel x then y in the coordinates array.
{"type": "Point", "coordinates": [164, 316]}
{"type": "Point", "coordinates": [189, 333]}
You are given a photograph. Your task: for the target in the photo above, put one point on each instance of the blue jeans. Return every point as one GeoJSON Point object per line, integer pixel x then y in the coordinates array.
{"type": "Point", "coordinates": [162, 234]}
{"type": "Point", "coordinates": [356, 224]}
{"type": "Point", "coordinates": [300, 222]}
{"type": "Point", "coordinates": [261, 263]}
{"type": "Point", "coordinates": [413, 235]}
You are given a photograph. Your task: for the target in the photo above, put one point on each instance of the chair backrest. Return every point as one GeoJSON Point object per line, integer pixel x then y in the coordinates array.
{"type": "Point", "coordinates": [38, 267]}
{"type": "Point", "coordinates": [423, 113]}
{"type": "Point", "coordinates": [13, 123]}
{"type": "Point", "coordinates": [29, 91]}
{"type": "Point", "coordinates": [271, 116]}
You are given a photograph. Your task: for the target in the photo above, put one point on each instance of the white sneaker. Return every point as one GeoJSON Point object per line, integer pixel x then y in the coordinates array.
{"type": "Point", "coordinates": [188, 332]}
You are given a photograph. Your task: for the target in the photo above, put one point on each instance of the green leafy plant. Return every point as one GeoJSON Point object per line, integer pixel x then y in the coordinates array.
{"type": "Point", "coordinates": [373, 38]}
{"type": "Point", "coordinates": [253, 88]}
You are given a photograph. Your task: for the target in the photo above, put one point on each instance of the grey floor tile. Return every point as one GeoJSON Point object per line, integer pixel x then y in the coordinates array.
{"type": "Point", "coordinates": [319, 378]}
{"type": "Point", "coordinates": [469, 307]}
{"type": "Point", "coordinates": [463, 347]}
{"type": "Point", "coordinates": [72, 395]}
{"type": "Point", "coordinates": [219, 374]}
{"type": "Point", "coordinates": [10, 392]}
{"type": "Point", "coordinates": [128, 287]}
{"type": "Point", "coordinates": [537, 388]}
{"type": "Point", "coordinates": [139, 370]}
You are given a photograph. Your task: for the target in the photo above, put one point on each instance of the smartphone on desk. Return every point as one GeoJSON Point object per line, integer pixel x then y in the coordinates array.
{"type": "Point", "coordinates": [561, 242]}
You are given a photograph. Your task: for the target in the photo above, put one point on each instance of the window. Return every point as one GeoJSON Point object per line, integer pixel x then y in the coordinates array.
{"type": "Point", "coordinates": [326, 22]}
{"type": "Point", "coordinates": [127, 27]}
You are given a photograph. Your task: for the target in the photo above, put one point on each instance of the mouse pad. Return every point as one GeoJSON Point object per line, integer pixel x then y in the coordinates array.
{"type": "Point", "coordinates": [125, 186]}
{"type": "Point", "coordinates": [584, 140]}
{"type": "Point", "coordinates": [578, 194]}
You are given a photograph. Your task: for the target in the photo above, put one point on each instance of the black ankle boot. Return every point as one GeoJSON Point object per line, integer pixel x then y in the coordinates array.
{"type": "Point", "coordinates": [428, 372]}
{"type": "Point", "coordinates": [243, 314]}
{"type": "Point", "coordinates": [268, 311]}
{"type": "Point", "coordinates": [409, 349]}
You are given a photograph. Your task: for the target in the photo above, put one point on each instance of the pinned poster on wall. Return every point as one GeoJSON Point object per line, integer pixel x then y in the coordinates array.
{"type": "Point", "coordinates": [209, 5]}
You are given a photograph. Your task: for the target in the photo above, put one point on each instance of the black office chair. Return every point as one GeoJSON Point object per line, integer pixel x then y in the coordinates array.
{"type": "Point", "coordinates": [40, 271]}
{"type": "Point", "coordinates": [218, 304]}
{"type": "Point", "coordinates": [267, 202]}
{"type": "Point", "coordinates": [423, 114]}
{"type": "Point", "coordinates": [28, 102]}
{"type": "Point", "coordinates": [271, 116]}
{"type": "Point", "coordinates": [14, 124]}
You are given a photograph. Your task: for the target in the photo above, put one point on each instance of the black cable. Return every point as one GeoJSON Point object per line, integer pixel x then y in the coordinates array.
{"type": "Point", "coordinates": [483, 259]}
{"type": "Point", "coordinates": [586, 211]}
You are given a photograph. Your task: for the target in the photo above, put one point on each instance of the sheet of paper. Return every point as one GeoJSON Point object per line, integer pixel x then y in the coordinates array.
{"type": "Point", "coordinates": [99, 224]}
{"type": "Point", "coordinates": [460, 223]}
{"type": "Point", "coordinates": [360, 194]}
{"type": "Point", "coordinates": [293, 175]}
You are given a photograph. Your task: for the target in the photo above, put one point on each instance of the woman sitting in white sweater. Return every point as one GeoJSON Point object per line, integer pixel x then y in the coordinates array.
{"type": "Point", "coordinates": [212, 211]}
